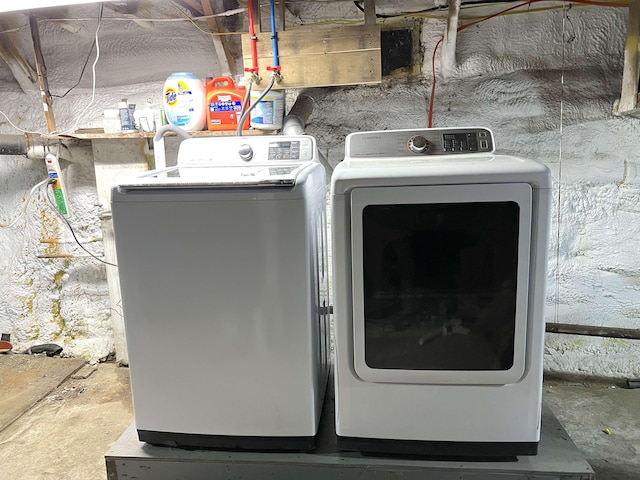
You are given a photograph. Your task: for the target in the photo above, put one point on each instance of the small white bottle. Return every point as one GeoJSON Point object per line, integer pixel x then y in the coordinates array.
{"type": "Point", "coordinates": [111, 121]}
{"type": "Point", "coordinates": [145, 118]}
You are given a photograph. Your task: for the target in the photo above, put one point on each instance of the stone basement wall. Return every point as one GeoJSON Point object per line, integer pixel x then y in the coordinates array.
{"type": "Point", "coordinates": [545, 95]}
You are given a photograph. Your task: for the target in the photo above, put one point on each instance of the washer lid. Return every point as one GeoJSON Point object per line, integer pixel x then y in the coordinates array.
{"type": "Point", "coordinates": [282, 175]}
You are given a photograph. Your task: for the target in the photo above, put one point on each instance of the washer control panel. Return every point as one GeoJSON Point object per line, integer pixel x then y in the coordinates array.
{"type": "Point", "coordinates": [287, 150]}
{"type": "Point", "coordinates": [247, 150]}
{"type": "Point", "coordinates": [412, 143]}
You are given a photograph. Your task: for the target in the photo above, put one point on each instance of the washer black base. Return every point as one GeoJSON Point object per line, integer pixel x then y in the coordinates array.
{"type": "Point", "coordinates": [474, 450]}
{"type": "Point", "coordinates": [222, 442]}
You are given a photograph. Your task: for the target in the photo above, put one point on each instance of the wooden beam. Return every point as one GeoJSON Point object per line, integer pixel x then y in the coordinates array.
{"type": "Point", "coordinates": [129, 10]}
{"type": "Point", "coordinates": [369, 12]}
{"type": "Point", "coordinates": [257, 15]}
{"type": "Point", "coordinates": [321, 57]}
{"type": "Point", "coordinates": [220, 43]}
{"type": "Point", "coordinates": [282, 25]}
{"type": "Point", "coordinates": [22, 71]}
{"type": "Point", "coordinates": [450, 38]}
{"type": "Point", "coordinates": [631, 70]}
{"type": "Point", "coordinates": [194, 5]}
{"type": "Point", "coordinates": [41, 69]}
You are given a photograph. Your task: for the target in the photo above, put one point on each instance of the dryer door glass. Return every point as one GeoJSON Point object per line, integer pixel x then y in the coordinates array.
{"type": "Point", "coordinates": [442, 284]}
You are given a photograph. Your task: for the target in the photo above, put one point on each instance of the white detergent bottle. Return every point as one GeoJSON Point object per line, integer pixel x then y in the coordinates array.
{"type": "Point", "coordinates": [184, 101]}
{"type": "Point", "coordinates": [145, 118]}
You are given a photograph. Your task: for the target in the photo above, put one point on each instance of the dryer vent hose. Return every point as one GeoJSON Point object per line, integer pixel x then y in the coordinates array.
{"type": "Point", "coordinates": [296, 120]}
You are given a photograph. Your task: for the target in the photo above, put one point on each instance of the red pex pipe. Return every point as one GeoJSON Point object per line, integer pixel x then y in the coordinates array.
{"type": "Point", "coordinates": [254, 39]}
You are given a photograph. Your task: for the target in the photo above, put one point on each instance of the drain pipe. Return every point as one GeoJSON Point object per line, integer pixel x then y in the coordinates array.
{"type": "Point", "coordinates": [31, 146]}
{"type": "Point", "coordinates": [296, 120]}
{"type": "Point", "coordinates": [13, 145]}
{"type": "Point", "coordinates": [589, 330]}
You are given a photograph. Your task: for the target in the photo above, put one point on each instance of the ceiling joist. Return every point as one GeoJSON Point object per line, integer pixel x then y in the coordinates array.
{"type": "Point", "coordinates": [24, 74]}
{"type": "Point", "coordinates": [628, 102]}
{"type": "Point", "coordinates": [220, 42]}
{"type": "Point", "coordinates": [43, 80]}
{"type": "Point", "coordinates": [194, 5]}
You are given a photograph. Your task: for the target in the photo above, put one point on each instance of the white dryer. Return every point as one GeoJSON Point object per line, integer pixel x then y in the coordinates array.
{"type": "Point", "coordinates": [222, 263]}
{"type": "Point", "coordinates": [439, 260]}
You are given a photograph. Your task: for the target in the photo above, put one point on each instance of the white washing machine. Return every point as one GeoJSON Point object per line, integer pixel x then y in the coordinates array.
{"type": "Point", "coordinates": [222, 263]}
{"type": "Point", "coordinates": [439, 260]}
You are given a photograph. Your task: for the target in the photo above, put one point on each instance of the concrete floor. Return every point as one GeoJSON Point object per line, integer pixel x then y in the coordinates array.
{"type": "Point", "coordinates": [66, 434]}
{"type": "Point", "coordinates": [603, 419]}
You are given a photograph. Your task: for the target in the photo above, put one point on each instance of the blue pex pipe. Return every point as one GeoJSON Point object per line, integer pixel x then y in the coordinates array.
{"type": "Point", "coordinates": [274, 34]}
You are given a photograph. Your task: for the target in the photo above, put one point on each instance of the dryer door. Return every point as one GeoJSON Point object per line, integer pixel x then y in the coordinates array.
{"type": "Point", "coordinates": [440, 283]}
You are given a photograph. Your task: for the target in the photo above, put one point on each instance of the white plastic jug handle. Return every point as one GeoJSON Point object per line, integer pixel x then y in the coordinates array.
{"type": "Point", "coordinates": [159, 155]}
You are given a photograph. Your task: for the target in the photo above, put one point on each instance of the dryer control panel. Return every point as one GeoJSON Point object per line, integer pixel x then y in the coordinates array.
{"type": "Point", "coordinates": [421, 142]}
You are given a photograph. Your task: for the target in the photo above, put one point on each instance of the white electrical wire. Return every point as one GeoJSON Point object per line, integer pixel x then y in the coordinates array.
{"type": "Point", "coordinates": [17, 127]}
{"type": "Point", "coordinates": [12, 30]}
{"type": "Point", "coordinates": [26, 204]}
{"type": "Point", "coordinates": [228, 13]}
{"type": "Point", "coordinates": [556, 313]}
{"type": "Point", "coordinates": [93, 93]}
{"type": "Point", "coordinates": [93, 80]}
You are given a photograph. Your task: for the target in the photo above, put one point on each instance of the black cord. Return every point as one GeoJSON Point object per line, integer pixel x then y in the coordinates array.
{"type": "Point", "coordinates": [86, 62]}
{"type": "Point", "coordinates": [433, 9]}
{"type": "Point", "coordinates": [573, 29]}
{"type": "Point", "coordinates": [55, 209]}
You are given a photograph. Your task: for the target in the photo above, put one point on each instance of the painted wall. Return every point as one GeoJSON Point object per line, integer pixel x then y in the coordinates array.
{"type": "Point", "coordinates": [544, 82]}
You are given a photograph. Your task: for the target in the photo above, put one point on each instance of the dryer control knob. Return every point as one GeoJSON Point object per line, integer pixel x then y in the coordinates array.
{"type": "Point", "coordinates": [418, 144]}
{"type": "Point", "coordinates": [245, 152]}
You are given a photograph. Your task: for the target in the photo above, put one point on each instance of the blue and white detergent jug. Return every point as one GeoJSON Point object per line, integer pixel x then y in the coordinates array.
{"type": "Point", "coordinates": [184, 101]}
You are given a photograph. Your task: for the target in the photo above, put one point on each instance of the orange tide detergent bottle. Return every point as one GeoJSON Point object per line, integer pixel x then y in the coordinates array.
{"type": "Point", "coordinates": [224, 104]}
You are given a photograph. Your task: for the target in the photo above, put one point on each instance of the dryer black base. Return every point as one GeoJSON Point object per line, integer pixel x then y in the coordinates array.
{"type": "Point", "coordinates": [194, 441]}
{"type": "Point", "coordinates": [467, 450]}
